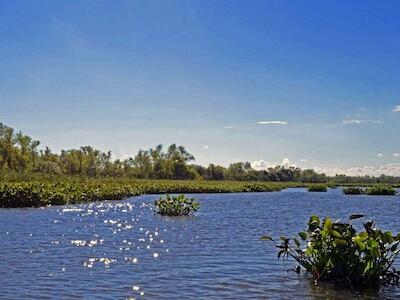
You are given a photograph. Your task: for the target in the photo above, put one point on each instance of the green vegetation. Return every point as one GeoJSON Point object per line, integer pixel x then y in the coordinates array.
{"type": "Point", "coordinates": [376, 190]}
{"type": "Point", "coordinates": [381, 190]}
{"type": "Point", "coordinates": [335, 251]}
{"type": "Point", "coordinates": [317, 188]}
{"type": "Point", "coordinates": [36, 192]}
{"type": "Point", "coordinates": [353, 190]}
{"type": "Point", "coordinates": [176, 206]}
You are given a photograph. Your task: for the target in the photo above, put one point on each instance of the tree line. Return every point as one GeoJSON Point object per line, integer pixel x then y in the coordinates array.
{"type": "Point", "coordinates": [20, 153]}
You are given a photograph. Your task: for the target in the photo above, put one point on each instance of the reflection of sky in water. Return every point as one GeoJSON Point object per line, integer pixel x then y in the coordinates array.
{"type": "Point", "coordinates": [123, 250]}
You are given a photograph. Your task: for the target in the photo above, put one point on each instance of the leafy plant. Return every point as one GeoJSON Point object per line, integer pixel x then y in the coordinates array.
{"type": "Point", "coordinates": [176, 206]}
{"type": "Point", "coordinates": [317, 188]}
{"type": "Point", "coordinates": [335, 251]}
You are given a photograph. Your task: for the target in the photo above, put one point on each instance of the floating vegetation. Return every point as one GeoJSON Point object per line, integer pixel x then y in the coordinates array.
{"type": "Point", "coordinates": [71, 190]}
{"type": "Point", "coordinates": [176, 206]}
{"type": "Point", "coordinates": [384, 190]}
{"type": "Point", "coordinates": [376, 190]}
{"type": "Point", "coordinates": [317, 188]}
{"type": "Point", "coordinates": [335, 251]}
{"type": "Point", "coordinates": [353, 190]}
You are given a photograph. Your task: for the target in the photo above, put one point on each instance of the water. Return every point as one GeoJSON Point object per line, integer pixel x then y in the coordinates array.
{"type": "Point", "coordinates": [121, 250]}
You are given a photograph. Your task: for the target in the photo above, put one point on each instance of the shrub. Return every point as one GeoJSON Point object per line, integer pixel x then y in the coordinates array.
{"type": "Point", "coordinates": [335, 251]}
{"type": "Point", "coordinates": [317, 188]}
{"type": "Point", "coordinates": [381, 190]}
{"type": "Point", "coordinates": [352, 190]}
{"type": "Point", "coordinates": [176, 206]}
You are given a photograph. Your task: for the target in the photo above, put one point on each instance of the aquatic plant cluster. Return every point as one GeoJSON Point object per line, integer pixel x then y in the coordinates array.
{"type": "Point", "coordinates": [176, 205]}
{"type": "Point", "coordinates": [335, 251]}
{"type": "Point", "coordinates": [42, 192]}
{"type": "Point", "coordinates": [375, 190]}
{"type": "Point", "coordinates": [317, 188]}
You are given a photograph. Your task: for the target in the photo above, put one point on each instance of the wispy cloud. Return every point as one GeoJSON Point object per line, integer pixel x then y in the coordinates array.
{"type": "Point", "coordinates": [303, 160]}
{"type": "Point", "coordinates": [379, 155]}
{"type": "Point", "coordinates": [229, 127]}
{"type": "Point", "coordinates": [396, 108]}
{"type": "Point", "coordinates": [205, 147]}
{"type": "Point", "coordinates": [272, 122]}
{"type": "Point", "coordinates": [396, 154]}
{"type": "Point", "coordinates": [353, 122]}
{"type": "Point", "coordinates": [360, 121]}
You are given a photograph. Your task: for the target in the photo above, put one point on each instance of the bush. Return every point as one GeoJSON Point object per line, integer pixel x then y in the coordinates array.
{"type": "Point", "coordinates": [381, 190]}
{"type": "Point", "coordinates": [352, 190]}
{"type": "Point", "coordinates": [335, 251]}
{"type": "Point", "coordinates": [176, 206]}
{"type": "Point", "coordinates": [317, 188]}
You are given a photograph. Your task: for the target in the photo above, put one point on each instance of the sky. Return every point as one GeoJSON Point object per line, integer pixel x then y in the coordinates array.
{"type": "Point", "coordinates": [308, 83]}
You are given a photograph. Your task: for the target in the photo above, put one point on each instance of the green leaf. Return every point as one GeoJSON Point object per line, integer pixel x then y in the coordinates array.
{"type": "Point", "coordinates": [266, 238]}
{"type": "Point", "coordinates": [303, 235]}
{"type": "Point", "coordinates": [328, 223]}
{"type": "Point", "coordinates": [353, 217]}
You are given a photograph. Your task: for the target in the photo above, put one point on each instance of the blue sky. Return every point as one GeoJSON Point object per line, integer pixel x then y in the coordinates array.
{"type": "Point", "coordinates": [322, 77]}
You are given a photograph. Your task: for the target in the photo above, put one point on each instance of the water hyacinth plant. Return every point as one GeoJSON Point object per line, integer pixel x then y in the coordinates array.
{"type": "Point", "coordinates": [384, 190]}
{"type": "Point", "coordinates": [317, 188]}
{"type": "Point", "coordinates": [335, 251]}
{"type": "Point", "coordinates": [376, 190]}
{"type": "Point", "coordinates": [176, 206]}
{"type": "Point", "coordinates": [353, 190]}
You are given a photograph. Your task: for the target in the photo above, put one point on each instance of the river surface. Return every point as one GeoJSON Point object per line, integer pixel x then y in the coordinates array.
{"type": "Point", "coordinates": [121, 250]}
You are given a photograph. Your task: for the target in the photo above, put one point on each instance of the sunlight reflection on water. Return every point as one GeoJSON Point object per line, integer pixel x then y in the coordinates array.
{"type": "Point", "coordinates": [123, 250]}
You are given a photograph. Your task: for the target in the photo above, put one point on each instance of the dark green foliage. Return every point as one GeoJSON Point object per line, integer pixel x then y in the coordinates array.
{"type": "Point", "coordinates": [353, 190]}
{"type": "Point", "coordinates": [335, 251]}
{"type": "Point", "coordinates": [42, 191]}
{"type": "Point", "coordinates": [376, 190]}
{"type": "Point", "coordinates": [317, 188]}
{"type": "Point", "coordinates": [381, 190]}
{"type": "Point", "coordinates": [176, 206]}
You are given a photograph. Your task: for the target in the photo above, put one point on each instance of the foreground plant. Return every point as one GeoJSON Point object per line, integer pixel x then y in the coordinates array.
{"type": "Point", "coordinates": [176, 206]}
{"type": "Point", "coordinates": [335, 251]}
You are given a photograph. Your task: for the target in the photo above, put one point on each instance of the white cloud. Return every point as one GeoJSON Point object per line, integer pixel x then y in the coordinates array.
{"type": "Point", "coordinates": [229, 127]}
{"type": "Point", "coordinates": [263, 165]}
{"type": "Point", "coordinates": [272, 122]}
{"type": "Point", "coordinates": [205, 147]}
{"type": "Point", "coordinates": [388, 169]}
{"type": "Point", "coordinates": [396, 108]}
{"type": "Point", "coordinates": [396, 154]}
{"type": "Point", "coordinates": [303, 160]}
{"type": "Point", "coordinates": [360, 119]}
{"type": "Point", "coordinates": [352, 122]}
{"type": "Point", "coordinates": [379, 155]}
